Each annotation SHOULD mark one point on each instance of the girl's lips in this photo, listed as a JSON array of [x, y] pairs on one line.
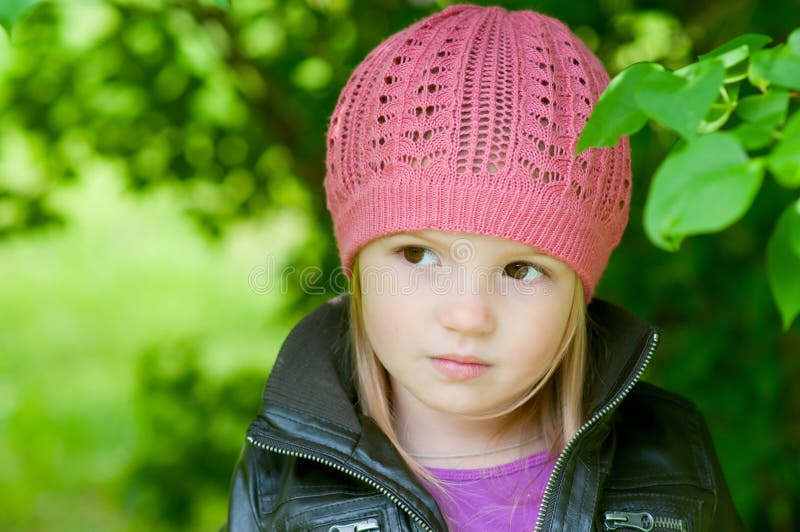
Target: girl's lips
[[459, 368]]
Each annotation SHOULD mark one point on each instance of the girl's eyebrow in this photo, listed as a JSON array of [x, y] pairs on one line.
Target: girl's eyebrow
[[526, 252], [406, 235], [425, 238]]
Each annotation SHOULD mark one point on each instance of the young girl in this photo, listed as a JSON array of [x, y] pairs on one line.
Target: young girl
[[464, 383]]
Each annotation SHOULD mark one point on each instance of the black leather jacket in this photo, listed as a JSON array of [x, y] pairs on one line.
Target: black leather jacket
[[644, 460]]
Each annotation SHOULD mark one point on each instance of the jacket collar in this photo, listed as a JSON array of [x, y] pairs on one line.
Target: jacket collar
[[309, 400], [622, 344]]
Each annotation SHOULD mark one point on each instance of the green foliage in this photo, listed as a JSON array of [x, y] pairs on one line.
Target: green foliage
[[617, 113], [680, 101], [185, 418], [113, 315], [708, 183], [779, 65], [222, 4], [783, 263], [737, 49], [768, 109], [12, 10], [784, 161], [312, 74]]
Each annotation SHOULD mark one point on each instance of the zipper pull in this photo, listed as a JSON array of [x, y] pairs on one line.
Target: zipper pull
[[368, 525], [638, 521]]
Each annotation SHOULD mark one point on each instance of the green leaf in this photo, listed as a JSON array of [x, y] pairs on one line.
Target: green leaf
[[738, 49], [681, 100], [783, 264], [616, 112], [732, 91], [779, 65], [784, 161], [721, 110], [755, 135], [736, 73], [715, 119], [13, 10], [702, 187], [769, 108], [793, 42]]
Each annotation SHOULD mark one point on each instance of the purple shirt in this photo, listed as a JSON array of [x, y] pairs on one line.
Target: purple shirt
[[504, 497]]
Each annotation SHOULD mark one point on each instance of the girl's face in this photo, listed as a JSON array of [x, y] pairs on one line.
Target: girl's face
[[465, 324]]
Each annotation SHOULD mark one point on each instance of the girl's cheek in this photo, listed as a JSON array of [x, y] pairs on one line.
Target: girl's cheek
[[421, 281]]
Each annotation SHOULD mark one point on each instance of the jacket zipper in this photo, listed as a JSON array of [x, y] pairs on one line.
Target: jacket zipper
[[643, 521], [347, 471], [562, 458], [370, 525]]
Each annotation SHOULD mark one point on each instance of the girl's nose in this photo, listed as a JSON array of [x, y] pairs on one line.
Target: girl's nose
[[468, 314]]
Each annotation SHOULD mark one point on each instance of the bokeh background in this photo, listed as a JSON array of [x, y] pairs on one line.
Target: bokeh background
[[162, 213]]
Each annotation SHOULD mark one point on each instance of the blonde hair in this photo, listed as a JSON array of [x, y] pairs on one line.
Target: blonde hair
[[554, 403]]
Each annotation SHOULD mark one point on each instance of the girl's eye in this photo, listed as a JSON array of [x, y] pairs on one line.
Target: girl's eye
[[416, 255], [524, 271]]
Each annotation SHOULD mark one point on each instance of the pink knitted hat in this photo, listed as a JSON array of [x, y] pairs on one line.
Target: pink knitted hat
[[467, 121]]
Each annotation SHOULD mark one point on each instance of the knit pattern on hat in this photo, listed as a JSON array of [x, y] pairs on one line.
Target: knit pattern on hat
[[467, 121]]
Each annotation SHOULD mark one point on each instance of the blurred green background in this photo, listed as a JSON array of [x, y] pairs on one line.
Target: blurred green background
[[162, 161]]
